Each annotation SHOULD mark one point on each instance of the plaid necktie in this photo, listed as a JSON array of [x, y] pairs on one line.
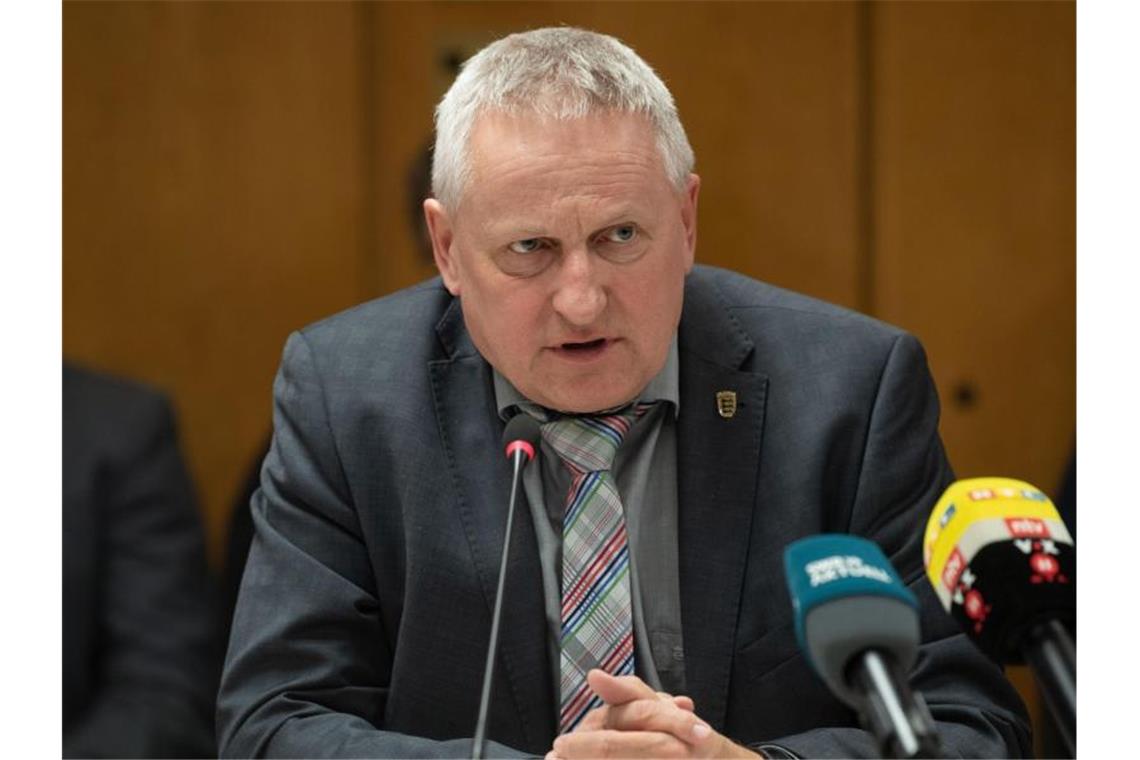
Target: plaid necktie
[[597, 617]]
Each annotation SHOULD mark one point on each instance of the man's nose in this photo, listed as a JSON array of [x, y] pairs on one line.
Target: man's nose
[[580, 295]]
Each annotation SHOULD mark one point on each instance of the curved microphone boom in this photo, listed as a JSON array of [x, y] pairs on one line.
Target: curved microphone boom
[[520, 438], [1003, 564], [858, 625]]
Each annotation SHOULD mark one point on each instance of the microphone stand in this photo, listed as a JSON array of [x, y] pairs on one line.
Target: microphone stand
[[518, 459], [1050, 653], [896, 716]]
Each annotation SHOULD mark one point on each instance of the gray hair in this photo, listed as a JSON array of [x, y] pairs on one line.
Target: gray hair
[[558, 72]]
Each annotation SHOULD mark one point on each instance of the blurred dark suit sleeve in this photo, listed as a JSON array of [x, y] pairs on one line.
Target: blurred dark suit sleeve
[[139, 653]]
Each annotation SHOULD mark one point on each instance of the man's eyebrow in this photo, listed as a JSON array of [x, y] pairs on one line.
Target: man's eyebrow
[[517, 229], [625, 215], [522, 229], [513, 232]]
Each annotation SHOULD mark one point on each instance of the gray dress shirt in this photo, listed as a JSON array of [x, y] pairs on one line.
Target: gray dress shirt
[[645, 470]]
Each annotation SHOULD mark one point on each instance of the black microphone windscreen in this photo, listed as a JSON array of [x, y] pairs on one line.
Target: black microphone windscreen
[[1008, 587], [1002, 562], [522, 427]]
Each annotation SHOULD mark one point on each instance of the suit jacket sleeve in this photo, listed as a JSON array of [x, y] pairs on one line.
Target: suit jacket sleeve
[[904, 470], [154, 652], [309, 659]]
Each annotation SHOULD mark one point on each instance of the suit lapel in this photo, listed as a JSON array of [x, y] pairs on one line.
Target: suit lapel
[[470, 428], [717, 464]]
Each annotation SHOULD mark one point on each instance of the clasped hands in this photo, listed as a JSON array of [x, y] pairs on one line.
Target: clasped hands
[[637, 721]]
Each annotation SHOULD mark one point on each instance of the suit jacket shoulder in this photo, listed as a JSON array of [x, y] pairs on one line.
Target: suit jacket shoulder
[[399, 325], [776, 320]]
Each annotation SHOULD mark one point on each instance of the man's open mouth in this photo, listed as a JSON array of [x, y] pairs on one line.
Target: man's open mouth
[[588, 345]]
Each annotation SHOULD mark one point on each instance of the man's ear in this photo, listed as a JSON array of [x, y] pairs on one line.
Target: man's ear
[[689, 217], [442, 234]]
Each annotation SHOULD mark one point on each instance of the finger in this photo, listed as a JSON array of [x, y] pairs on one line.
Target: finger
[[594, 719], [657, 715], [602, 744], [685, 703], [615, 690], [597, 718]]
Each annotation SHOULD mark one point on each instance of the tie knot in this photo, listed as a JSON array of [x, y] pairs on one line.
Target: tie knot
[[590, 443]]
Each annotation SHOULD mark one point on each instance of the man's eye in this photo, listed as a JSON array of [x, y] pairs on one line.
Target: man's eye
[[530, 245], [623, 234]]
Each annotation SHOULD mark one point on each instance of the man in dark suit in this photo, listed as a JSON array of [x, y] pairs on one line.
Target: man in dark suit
[[735, 418], [139, 653]]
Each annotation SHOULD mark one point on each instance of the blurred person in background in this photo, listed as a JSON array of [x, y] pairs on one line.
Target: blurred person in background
[[139, 648]]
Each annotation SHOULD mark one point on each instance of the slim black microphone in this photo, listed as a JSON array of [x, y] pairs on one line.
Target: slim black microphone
[[858, 625], [519, 440]]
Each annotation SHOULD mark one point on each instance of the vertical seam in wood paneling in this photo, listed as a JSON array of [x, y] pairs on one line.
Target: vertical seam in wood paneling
[[865, 248], [370, 275]]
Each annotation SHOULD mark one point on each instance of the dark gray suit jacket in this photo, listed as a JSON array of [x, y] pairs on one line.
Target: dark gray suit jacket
[[365, 609]]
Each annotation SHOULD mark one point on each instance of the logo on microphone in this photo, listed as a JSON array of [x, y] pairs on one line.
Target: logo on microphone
[[1046, 569], [974, 604], [955, 564], [1044, 565], [971, 599], [1027, 527], [834, 568]]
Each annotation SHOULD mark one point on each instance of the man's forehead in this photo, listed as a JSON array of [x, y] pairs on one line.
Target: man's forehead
[[528, 165], [512, 138]]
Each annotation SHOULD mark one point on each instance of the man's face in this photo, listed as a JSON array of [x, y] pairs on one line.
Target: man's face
[[568, 251]]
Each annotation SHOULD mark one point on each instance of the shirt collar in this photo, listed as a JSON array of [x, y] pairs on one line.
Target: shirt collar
[[665, 386]]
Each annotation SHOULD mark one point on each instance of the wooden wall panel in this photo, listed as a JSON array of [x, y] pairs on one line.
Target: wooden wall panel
[[213, 201], [975, 220], [767, 92], [233, 171]]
